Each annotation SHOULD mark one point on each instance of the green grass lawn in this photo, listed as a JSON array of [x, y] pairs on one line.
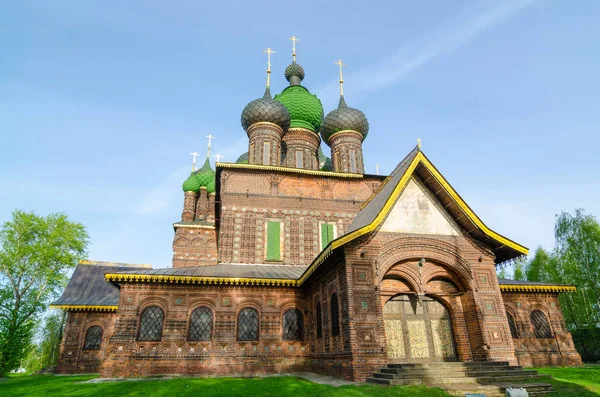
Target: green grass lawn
[[581, 382], [584, 382]]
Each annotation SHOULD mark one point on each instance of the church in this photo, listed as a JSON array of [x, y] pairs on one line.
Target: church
[[289, 260]]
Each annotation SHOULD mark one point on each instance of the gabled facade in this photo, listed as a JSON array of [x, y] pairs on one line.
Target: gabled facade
[[288, 260]]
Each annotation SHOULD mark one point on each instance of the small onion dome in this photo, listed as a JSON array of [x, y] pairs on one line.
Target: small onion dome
[[294, 70], [344, 118], [265, 109], [191, 184], [305, 109], [324, 161], [243, 159], [206, 177]]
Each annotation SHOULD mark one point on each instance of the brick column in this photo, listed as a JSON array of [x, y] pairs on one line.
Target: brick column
[[346, 152], [301, 146]]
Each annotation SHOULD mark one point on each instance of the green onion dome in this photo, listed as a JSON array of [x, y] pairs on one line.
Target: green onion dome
[[305, 109], [265, 109], [344, 118], [206, 176], [324, 161], [191, 184], [243, 159]]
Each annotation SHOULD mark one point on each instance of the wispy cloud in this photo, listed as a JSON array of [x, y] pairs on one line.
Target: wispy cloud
[[447, 38]]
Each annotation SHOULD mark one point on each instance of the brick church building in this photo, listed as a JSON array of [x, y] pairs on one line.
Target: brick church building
[[289, 260]]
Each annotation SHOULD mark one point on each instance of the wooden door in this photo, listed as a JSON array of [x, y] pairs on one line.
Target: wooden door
[[418, 330]]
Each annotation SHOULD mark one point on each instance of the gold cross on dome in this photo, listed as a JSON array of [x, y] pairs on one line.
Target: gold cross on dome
[[294, 40], [341, 65], [269, 51], [194, 155], [210, 138]]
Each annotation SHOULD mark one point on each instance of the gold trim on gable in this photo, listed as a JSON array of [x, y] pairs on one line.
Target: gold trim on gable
[[286, 169], [91, 308], [536, 288], [419, 158], [156, 278]]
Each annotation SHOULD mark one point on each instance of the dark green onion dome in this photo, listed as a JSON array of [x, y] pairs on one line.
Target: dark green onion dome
[[243, 159], [294, 70], [344, 118], [204, 177], [191, 184], [324, 161], [265, 109]]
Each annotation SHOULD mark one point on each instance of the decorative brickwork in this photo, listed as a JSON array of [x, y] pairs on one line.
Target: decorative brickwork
[[300, 146], [532, 351], [346, 152], [264, 146]]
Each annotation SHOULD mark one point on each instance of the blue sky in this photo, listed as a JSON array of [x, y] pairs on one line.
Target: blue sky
[[101, 102]]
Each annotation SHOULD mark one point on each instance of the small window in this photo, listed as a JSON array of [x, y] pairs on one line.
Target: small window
[[352, 161], [293, 326], [299, 159], [266, 153], [335, 316], [247, 325], [512, 325], [541, 327], [327, 234], [201, 324], [273, 241], [151, 324], [319, 321], [93, 338]]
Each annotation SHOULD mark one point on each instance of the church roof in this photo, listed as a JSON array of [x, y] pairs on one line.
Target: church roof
[[88, 289], [244, 273], [375, 210], [507, 285]]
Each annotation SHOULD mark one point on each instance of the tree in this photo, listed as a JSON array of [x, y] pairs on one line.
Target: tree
[[51, 336], [35, 253]]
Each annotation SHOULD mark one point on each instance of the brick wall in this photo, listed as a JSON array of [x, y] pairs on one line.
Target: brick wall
[[532, 351], [73, 358]]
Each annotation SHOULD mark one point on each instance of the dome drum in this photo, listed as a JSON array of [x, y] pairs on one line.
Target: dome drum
[[301, 147]]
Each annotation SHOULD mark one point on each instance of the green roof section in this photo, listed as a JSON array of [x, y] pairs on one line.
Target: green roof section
[[324, 161], [305, 109], [243, 159], [204, 177]]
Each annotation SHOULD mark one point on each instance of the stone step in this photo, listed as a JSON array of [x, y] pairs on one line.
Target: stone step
[[504, 370], [452, 374], [451, 364]]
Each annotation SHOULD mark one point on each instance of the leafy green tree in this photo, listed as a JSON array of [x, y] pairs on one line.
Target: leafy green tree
[[51, 337], [35, 253]]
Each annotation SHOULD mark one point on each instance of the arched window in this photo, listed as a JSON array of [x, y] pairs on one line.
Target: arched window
[[247, 324], [335, 316], [93, 338], [512, 325], [541, 327], [201, 324], [293, 325], [319, 321], [151, 323]]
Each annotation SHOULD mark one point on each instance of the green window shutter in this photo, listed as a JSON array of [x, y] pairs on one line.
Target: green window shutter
[[273, 241], [326, 234]]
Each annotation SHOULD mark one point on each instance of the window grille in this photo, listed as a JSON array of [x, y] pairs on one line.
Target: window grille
[[93, 338], [352, 161], [335, 316], [247, 325], [293, 326], [273, 241], [151, 324], [266, 153], [201, 324], [541, 327], [512, 325], [319, 321]]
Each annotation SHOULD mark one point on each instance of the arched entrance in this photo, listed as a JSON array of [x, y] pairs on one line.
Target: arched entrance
[[418, 330]]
